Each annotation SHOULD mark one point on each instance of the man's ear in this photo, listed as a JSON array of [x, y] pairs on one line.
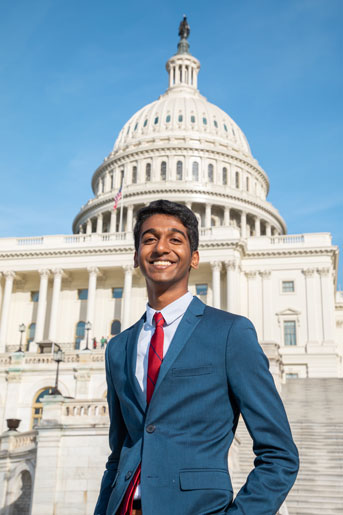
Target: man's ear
[[135, 260], [195, 259]]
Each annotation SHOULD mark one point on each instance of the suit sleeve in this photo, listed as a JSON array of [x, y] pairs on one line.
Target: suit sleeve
[[117, 433], [254, 391]]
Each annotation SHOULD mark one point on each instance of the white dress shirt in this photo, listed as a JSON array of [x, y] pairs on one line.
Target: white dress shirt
[[172, 315]]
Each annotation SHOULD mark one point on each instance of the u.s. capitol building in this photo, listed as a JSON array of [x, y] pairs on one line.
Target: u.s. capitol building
[[67, 290]]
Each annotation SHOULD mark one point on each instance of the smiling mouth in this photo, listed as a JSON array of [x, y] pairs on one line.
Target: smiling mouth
[[161, 263]]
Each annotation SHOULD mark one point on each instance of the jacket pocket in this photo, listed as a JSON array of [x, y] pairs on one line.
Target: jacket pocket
[[196, 371], [205, 479]]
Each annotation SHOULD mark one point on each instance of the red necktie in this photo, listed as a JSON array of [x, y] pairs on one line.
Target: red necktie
[[154, 364]]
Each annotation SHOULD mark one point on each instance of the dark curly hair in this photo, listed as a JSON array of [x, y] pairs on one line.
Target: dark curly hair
[[165, 207]]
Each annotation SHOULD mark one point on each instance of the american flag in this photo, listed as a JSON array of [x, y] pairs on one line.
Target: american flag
[[117, 197]]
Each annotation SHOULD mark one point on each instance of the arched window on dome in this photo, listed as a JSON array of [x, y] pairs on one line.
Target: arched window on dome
[[80, 333], [247, 183], [134, 174], [237, 180], [148, 172], [163, 171], [210, 172], [179, 169], [115, 327], [37, 407], [30, 335], [195, 171], [112, 180], [225, 175], [180, 73]]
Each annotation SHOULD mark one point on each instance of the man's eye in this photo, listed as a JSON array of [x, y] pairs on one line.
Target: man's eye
[[149, 240], [176, 240]]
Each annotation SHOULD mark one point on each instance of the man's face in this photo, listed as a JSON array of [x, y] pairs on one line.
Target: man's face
[[164, 254]]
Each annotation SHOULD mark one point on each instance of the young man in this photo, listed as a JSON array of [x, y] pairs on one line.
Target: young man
[[178, 381]]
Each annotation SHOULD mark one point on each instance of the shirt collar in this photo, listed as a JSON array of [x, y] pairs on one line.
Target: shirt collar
[[171, 312]]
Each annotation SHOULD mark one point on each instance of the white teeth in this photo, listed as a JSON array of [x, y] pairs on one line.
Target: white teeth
[[162, 262]]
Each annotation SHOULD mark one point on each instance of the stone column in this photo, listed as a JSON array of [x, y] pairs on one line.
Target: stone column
[[208, 215], [41, 311], [268, 229], [89, 226], [327, 304], [216, 267], [56, 290], [257, 226], [226, 216], [267, 306], [231, 286], [99, 224], [243, 224], [9, 275], [311, 307], [252, 296], [113, 220], [129, 218], [128, 269], [93, 273]]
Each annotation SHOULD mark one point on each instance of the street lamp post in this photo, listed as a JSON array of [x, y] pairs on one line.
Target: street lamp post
[[88, 327], [22, 328], [58, 357]]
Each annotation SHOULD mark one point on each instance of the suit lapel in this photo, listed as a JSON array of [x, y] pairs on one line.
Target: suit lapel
[[132, 360], [190, 320]]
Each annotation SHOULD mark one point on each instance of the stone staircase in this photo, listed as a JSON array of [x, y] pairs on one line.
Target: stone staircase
[[315, 411]]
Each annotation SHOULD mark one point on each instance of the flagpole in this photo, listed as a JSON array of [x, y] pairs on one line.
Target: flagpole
[[121, 207]]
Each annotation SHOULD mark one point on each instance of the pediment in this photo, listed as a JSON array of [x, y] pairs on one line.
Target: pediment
[[288, 312]]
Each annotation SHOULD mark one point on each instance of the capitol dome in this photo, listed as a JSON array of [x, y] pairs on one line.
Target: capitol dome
[[183, 148]]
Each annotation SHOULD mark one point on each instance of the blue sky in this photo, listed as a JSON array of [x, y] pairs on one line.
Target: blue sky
[[72, 72]]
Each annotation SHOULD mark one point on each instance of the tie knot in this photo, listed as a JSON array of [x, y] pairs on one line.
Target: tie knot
[[159, 320]]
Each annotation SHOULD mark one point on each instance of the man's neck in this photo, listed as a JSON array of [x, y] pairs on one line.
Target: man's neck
[[160, 301]]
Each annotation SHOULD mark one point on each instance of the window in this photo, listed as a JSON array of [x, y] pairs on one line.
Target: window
[[204, 121], [82, 294], [210, 173], [225, 127], [292, 375], [35, 296], [30, 335], [112, 181], [224, 175], [115, 327], [136, 126], [148, 172], [145, 122], [168, 118], [237, 179], [247, 183], [37, 408], [156, 120], [134, 174], [163, 171], [179, 170], [192, 119], [195, 171], [180, 118], [201, 291], [128, 130], [80, 333], [215, 123], [117, 293], [289, 330], [288, 287]]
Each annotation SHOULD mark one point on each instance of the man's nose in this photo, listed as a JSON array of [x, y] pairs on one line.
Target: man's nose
[[162, 246]]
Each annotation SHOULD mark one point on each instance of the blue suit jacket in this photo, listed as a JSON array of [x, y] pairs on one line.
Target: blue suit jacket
[[214, 371]]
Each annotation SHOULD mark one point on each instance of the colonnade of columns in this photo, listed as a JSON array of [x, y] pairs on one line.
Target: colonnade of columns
[[249, 224]]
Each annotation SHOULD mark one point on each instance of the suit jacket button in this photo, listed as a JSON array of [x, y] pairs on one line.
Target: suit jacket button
[[128, 475], [150, 428]]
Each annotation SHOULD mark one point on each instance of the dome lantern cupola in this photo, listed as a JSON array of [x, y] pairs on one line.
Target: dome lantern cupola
[[183, 68]]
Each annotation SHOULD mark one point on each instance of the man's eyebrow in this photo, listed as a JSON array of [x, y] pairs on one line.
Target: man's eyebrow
[[155, 231]]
